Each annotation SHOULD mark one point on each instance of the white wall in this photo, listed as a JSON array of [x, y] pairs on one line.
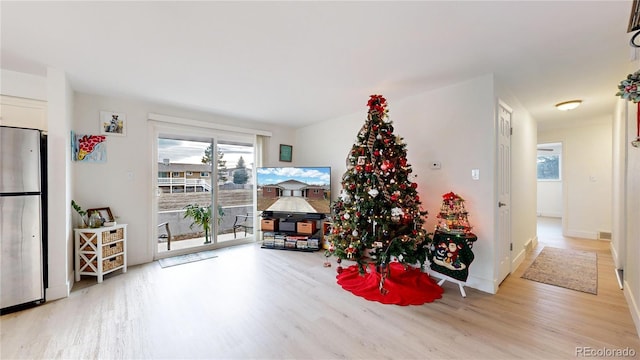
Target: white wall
[[123, 183], [550, 198], [619, 184], [60, 113], [586, 173], [439, 126]]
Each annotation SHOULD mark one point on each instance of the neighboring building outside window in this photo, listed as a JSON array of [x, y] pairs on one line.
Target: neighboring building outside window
[[549, 167]]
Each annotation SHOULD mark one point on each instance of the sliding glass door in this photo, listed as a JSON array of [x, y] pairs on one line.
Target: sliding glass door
[[204, 191]]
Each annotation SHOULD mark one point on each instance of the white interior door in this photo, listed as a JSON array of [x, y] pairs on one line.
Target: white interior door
[[503, 242]]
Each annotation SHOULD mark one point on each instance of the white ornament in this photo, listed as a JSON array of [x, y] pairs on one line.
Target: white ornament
[[355, 233], [397, 212], [346, 216], [373, 192]]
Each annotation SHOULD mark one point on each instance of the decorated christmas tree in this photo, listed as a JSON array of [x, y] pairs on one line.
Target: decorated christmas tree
[[378, 217]]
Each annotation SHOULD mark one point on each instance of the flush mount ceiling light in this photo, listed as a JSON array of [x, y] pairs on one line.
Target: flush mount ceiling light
[[568, 105]]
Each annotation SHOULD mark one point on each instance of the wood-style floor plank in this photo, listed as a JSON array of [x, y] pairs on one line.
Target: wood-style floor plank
[[252, 303]]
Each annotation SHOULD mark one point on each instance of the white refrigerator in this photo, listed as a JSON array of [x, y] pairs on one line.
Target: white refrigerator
[[22, 218]]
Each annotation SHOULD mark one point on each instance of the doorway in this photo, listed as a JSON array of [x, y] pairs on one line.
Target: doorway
[[549, 182], [205, 192]]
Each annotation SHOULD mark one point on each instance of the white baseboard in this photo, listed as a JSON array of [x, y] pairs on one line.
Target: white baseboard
[[60, 291], [633, 306], [517, 261], [550, 214], [614, 255], [481, 284], [582, 234]]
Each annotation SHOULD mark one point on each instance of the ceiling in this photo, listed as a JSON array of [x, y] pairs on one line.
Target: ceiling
[[297, 63]]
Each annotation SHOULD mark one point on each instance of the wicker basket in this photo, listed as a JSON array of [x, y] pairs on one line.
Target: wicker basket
[[112, 249], [112, 263], [112, 235]]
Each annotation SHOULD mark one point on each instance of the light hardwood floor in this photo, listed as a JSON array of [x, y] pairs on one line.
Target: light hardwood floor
[[271, 304]]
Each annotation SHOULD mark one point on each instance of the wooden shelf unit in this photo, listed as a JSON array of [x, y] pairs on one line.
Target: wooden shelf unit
[[100, 251]]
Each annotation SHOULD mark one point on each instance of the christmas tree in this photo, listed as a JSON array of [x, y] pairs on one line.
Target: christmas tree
[[378, 217]]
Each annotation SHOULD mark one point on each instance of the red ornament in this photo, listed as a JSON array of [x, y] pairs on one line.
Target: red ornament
[[376, 152], [375, 127], [368, 168], [394, 197], [414, 185], [358, 168]]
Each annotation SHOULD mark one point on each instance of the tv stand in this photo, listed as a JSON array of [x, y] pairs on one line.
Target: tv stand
[[298, 232]]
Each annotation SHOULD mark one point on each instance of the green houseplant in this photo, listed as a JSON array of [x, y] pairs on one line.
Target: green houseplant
[[201, 216], [82, 213]]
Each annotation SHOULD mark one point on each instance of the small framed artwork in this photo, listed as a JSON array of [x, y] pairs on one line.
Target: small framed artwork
[[104, 212], [286, 152], [89, 148], [113, 123]]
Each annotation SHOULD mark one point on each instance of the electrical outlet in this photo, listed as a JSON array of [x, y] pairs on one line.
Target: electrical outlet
[[475, 174], [435, 165]]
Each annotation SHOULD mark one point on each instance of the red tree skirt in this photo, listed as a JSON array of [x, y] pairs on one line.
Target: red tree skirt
[[404, 287]]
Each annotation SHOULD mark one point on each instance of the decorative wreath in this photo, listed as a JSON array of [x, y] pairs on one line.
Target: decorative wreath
[[628, 88]]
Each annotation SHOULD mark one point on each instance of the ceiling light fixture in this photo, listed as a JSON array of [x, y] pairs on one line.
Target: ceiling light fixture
[[568, 105]]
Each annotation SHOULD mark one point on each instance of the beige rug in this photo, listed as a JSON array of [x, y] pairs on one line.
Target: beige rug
[[571, 269]]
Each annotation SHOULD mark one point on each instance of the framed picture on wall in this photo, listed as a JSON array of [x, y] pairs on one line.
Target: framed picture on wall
[[113, 123], [286, 152]]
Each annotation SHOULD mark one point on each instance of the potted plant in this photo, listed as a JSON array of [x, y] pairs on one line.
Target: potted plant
[[201, 216], [82, 213]]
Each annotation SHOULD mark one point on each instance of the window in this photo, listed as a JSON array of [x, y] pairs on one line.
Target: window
[[204, 174], [175, 174], [189, 173], [549, 162]]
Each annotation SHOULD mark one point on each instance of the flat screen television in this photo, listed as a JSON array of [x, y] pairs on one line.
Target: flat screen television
[[294, 191]]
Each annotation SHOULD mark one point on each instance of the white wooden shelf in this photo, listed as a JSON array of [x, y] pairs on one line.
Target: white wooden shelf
[[100, 251]]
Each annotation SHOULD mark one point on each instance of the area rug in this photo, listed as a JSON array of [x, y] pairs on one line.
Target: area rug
[[408, 286], [185, 259], [571, 269]]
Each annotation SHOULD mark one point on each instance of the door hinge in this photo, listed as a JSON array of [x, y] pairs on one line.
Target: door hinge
[[510, 246], [510, 131]]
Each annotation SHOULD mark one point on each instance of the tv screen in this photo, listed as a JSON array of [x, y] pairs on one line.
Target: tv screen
[[294, 190]]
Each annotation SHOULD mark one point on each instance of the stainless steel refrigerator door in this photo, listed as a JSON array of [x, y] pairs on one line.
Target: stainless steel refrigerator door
[[21, 279], [19, 160]]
